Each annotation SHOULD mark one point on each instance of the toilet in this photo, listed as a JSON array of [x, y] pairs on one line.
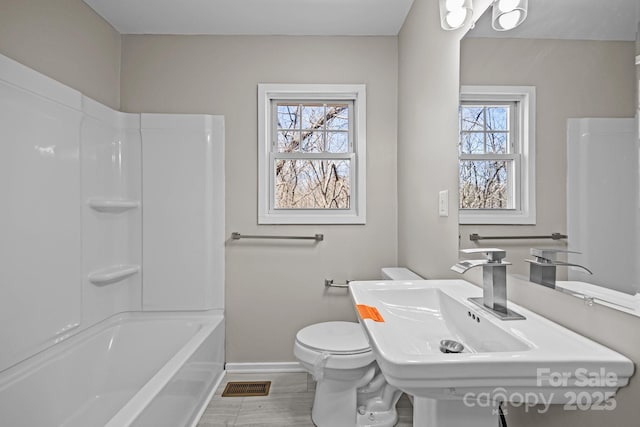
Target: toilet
[[350, 389]]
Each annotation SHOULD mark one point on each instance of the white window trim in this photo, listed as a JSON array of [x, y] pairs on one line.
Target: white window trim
[[526, 95], [357, 212]]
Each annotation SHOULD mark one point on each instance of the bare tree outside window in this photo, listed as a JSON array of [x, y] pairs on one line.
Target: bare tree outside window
[[313, 133], [485, 174]]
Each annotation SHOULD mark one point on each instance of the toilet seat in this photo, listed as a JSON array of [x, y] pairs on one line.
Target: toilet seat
[[345, 343], [339, 338]]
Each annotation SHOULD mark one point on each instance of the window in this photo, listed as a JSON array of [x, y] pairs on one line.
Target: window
[[497, 155], [312, 154]]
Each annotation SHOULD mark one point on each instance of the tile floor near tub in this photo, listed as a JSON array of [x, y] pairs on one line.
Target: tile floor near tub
[[288, 403]]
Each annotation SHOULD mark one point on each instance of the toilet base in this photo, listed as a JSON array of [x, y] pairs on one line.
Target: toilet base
[[334, 404], [340, 404], [377, 419], [365, 419]]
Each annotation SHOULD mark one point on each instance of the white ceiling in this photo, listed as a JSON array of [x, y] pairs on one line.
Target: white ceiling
[[264, 17], [570, 19]]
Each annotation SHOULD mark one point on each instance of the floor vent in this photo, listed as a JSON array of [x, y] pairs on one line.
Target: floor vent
[[246, 388]]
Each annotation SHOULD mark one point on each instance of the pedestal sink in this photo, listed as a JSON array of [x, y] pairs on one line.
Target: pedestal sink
[[530, 361]]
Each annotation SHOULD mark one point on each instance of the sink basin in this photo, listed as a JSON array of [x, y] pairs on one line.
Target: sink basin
[[430, 315], [524, 360]]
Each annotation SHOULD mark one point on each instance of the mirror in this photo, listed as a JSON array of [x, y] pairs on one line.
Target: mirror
[[581, 58]]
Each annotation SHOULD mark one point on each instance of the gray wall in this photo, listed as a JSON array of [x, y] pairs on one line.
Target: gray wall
[[275, 288], [428, 79], [66, 40]]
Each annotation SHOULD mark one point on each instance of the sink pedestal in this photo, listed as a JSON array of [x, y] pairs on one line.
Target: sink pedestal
[[452, 413]]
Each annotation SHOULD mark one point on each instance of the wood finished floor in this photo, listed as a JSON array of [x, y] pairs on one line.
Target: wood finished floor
[[288, 404]]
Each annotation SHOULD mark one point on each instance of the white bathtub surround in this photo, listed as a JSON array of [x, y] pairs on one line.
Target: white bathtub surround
[[110, 153], [72, 178], [183, 215], [602, 223], [40, 191]]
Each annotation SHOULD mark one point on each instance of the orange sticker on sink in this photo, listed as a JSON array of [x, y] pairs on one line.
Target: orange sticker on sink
[[368, 312]]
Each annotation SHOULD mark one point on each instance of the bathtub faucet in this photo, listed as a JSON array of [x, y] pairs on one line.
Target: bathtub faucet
[[494, 281]]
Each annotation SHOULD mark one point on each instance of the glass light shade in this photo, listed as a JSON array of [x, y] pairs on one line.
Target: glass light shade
[[509, 20], [455, 18], [455, 14], [452, 5], [507, 5], [508, 14]]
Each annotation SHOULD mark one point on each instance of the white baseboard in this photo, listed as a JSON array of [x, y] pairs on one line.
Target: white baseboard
[[267, 367]]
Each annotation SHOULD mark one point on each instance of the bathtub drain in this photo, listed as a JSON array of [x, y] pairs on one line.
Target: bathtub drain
[[246, 388]]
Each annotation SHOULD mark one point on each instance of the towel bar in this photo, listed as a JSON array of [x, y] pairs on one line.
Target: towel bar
[[237, 236]]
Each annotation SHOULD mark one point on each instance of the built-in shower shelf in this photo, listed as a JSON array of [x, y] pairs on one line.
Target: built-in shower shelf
[[113, 205], [113, 274]]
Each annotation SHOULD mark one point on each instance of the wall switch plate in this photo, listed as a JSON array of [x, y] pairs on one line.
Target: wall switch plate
[[443, 203]]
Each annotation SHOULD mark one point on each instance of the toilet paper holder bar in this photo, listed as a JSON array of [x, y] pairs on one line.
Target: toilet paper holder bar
[[328, 283]]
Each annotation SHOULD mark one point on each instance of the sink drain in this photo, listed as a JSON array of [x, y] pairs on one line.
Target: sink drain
[[451, 346]]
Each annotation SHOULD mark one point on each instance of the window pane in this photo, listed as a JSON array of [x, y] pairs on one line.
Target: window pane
[[497, 118], [288, 116], [313, 116], [484, 184], [497, 142], [337, 142], [338, 117], [471, 118], [288, 141], [312, 184], [472, 143], [312, 142]]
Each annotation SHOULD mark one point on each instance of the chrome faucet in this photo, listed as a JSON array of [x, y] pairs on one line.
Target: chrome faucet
[[494, 281], [542, 269]]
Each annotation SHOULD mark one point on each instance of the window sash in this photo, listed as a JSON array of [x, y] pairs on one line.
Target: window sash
[[311, 156], [514, 197], [309, 102], [353, 168], [512, 148], [352, 94], [513, 131], [522, 144]]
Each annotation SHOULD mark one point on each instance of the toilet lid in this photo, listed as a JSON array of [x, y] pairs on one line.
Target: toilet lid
[[334, 337]]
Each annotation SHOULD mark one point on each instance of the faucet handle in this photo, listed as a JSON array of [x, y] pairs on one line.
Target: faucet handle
[[493, 254], [549, 254]]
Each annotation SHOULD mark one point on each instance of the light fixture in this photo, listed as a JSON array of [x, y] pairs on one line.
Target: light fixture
[[455, 13], [508, 14]]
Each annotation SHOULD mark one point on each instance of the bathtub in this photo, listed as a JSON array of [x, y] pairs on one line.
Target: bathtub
[[134, 369]]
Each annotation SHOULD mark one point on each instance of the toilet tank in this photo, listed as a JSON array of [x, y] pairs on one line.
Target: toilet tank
[[399, 273]]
